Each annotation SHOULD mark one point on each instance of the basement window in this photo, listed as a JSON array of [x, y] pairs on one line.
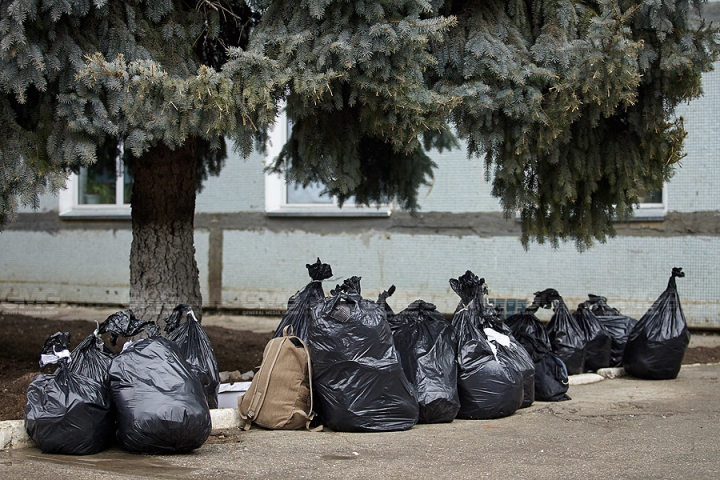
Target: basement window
[[510, 306]]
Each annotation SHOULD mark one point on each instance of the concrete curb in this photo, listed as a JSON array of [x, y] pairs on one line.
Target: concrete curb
[[225, 418], [584, 379], [13, 434], [612, 372]]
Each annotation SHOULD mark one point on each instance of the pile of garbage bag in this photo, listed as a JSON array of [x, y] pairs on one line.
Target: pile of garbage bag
[[499, 366], [596, 335], [154, 396], [372, 369], [359, 348]]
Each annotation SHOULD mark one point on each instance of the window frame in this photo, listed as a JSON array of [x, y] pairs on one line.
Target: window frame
[[276, 204], [71, 208], [644, 212]]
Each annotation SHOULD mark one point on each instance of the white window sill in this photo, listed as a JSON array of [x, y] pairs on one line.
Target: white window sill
[[649, 214], [642, 214], [328, 211], [109, 212]]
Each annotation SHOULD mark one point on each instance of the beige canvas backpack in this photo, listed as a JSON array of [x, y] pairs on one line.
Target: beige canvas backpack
[[280, 395]]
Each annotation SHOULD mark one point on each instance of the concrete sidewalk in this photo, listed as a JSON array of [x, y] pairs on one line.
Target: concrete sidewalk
[[616, 428], [621, 428]]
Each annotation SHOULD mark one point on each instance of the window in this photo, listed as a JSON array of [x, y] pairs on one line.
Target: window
[[510, 306], [283, 198], [101, 190], [652, 206]]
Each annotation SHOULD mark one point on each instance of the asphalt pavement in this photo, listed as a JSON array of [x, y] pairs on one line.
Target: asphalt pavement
[[622, 428]]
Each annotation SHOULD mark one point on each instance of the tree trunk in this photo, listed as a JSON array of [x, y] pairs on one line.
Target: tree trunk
[[163, 271]]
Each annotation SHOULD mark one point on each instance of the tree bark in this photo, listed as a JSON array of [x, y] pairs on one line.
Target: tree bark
[[163, 271]]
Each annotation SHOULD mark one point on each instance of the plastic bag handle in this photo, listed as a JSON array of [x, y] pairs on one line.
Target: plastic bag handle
[[345, 296]]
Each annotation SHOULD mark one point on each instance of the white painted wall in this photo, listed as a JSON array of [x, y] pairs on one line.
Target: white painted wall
[[262, 269], [696, 184], [74, 266]]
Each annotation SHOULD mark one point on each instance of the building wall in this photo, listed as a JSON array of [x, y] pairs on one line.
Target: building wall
[[251, 261], [261, 269], [693, 188], [78, 265]]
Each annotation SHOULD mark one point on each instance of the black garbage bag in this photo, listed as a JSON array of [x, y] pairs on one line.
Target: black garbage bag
[[510, 350], [92, 358], [297, 314], [68, 412], [358, 378], [196, 349], [566, 337], [160, 402], [551, 378], [488, 386], [656, 345], [521, 358], [382, 301], [530, 332], [616, 325], [597, 341], [124, 323], [427, 346]]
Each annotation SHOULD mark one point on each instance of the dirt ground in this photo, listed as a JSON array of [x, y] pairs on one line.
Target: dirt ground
[[22, 339]]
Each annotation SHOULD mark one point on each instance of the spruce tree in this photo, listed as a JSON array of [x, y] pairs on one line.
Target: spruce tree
[[571, 104], [172, 79]]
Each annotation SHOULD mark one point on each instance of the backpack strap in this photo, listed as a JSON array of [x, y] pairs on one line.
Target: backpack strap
[[259, 394], [311, 415]]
